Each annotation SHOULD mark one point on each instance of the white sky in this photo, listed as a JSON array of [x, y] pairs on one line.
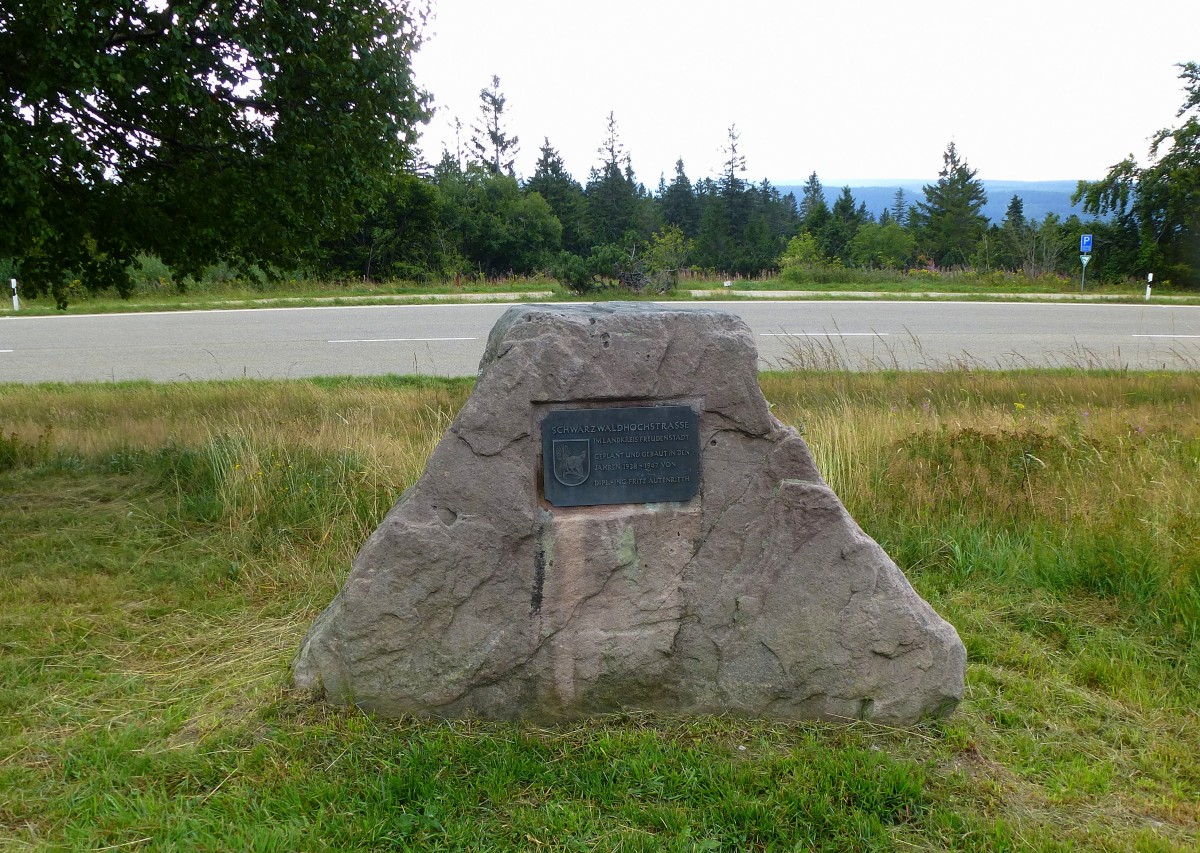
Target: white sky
[[1028, 89]]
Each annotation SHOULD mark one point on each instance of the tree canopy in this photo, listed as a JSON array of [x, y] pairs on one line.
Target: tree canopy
[[490, 142], [243, 129], [950, 219], [255, 132], [1159, 202]]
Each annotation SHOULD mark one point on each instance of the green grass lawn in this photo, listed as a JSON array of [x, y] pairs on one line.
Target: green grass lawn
[[163, 548]]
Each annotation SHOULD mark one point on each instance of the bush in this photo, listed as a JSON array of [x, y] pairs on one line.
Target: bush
[[149, 275]]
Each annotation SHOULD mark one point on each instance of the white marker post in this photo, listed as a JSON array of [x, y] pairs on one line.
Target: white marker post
[[1149, 280], [16, 301]]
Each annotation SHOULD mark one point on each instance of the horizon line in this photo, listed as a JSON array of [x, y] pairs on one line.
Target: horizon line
[[894, 182]]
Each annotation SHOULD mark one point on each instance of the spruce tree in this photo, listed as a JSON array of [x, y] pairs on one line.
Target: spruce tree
[[492, 145], [612, 193], [678, 203], [554, 183], [951, 223], [844, 220], [899, 209], [812, 201]]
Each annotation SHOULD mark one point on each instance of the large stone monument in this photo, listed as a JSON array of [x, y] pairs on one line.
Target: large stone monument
[[616, 521]]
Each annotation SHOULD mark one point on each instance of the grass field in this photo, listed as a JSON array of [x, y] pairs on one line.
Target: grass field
[[155, 295], [164, 548]]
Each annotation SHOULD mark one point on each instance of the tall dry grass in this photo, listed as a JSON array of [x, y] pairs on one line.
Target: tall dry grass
[[1060, 480], [165, 547]]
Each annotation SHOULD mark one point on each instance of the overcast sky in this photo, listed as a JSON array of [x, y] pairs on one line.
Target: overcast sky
[[1041, 90]]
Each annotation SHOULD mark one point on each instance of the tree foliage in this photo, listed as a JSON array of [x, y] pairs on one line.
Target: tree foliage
[[1160, 201], [554, 183], [813, 209], [885, 245], [196, 130], [612, 192], [493, 227], [678, 202], [489, 140], [249, 131], [397, 237], [841, 225], [1035, 248], [950, 221]]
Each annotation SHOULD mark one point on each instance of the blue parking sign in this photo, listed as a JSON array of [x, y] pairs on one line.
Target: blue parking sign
[[1085, 243]]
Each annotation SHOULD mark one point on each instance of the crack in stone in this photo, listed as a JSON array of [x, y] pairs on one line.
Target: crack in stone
[[484, 454]]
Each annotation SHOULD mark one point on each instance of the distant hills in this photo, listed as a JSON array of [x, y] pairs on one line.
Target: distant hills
[[1040, 197]]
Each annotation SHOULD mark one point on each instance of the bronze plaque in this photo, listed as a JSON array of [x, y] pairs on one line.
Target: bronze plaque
[[621, 455]]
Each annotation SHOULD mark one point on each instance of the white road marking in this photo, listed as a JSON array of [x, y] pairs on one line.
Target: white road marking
[[7, 350], [1166, 336], [824, 334], [397, 340]]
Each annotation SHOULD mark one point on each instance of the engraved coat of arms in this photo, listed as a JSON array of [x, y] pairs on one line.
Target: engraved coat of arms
[[572, 460]]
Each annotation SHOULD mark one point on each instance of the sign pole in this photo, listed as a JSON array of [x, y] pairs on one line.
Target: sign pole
[[1085, 255]]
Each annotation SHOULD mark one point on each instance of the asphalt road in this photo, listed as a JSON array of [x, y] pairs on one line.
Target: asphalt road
[[448, 340]]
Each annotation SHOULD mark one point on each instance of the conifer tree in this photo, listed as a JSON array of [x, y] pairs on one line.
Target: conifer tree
[[554, 183], [491, 143], [950, 219], [812, 203], [612, 193], [678, 202], [899, 210], [841, 225]]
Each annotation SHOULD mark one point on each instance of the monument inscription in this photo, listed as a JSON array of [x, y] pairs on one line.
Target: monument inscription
[[620, 455]]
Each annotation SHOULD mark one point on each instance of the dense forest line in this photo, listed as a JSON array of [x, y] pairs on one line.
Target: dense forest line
[[284, 140], [476, 218]]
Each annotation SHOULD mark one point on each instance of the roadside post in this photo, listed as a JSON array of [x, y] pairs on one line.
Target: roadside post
[[1149, 281], [1085, 255], [16, 301]]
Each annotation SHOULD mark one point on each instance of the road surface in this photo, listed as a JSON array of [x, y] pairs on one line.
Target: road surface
[[448, 340]]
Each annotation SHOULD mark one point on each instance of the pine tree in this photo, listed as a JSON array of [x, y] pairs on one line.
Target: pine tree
[[612, 193], [812, 200], [1015, 213], [844, 220], [554, 183], [678, 202], [493, 147], [951, 223], [731, 182], [899, 209]]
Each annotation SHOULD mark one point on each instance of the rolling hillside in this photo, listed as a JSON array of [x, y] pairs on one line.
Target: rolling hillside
[[1040, 197]]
